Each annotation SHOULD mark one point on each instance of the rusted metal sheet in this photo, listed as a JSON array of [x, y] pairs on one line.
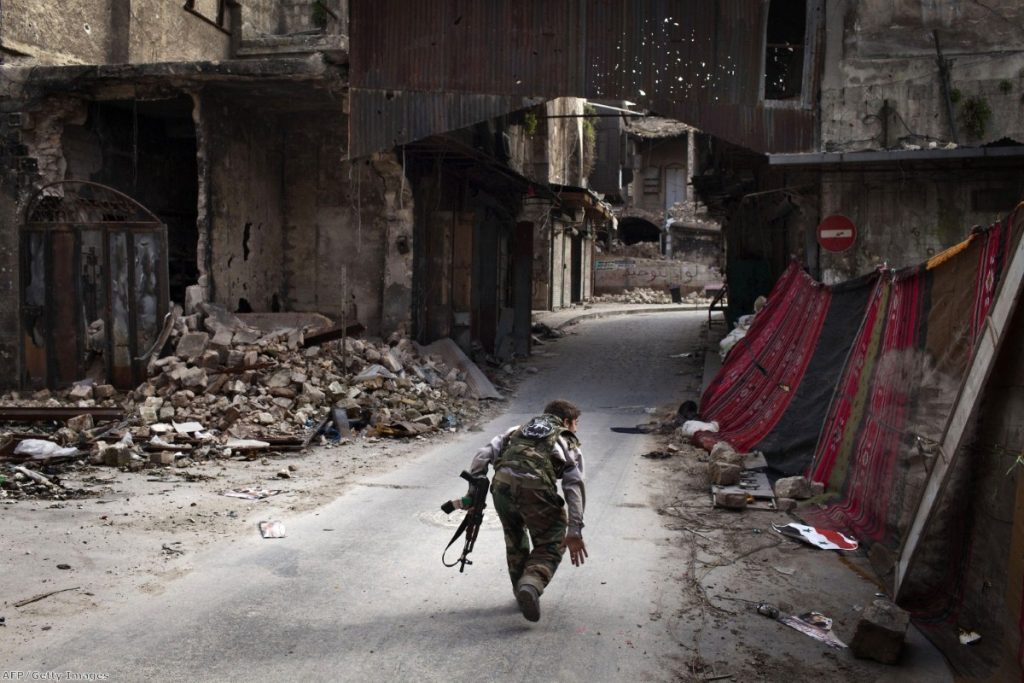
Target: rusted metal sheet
[[94, 286], [435, 65]]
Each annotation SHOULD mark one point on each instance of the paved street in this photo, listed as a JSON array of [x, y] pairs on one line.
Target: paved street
[[357, 591]]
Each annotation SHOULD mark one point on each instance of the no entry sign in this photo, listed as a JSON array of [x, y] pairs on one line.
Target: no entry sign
[[836, 233]]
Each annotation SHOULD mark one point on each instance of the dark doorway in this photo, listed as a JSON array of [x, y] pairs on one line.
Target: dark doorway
[[633, 230], [147, 150], [576, 293]]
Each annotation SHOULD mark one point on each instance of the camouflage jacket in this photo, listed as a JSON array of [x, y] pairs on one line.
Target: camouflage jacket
[[570, 466]]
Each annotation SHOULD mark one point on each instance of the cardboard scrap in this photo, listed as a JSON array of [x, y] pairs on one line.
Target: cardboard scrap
[[814, 624], [271, 529]]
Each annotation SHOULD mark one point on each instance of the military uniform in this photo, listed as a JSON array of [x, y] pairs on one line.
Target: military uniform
[[527, 461]]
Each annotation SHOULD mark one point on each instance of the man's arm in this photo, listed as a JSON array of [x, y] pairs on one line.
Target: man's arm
[[486, 456], [573, 489]]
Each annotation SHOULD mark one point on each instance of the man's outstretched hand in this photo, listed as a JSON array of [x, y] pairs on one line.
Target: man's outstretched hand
[[577, 549]]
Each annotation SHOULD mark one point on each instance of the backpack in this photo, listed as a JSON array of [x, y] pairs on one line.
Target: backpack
[[531, 449]]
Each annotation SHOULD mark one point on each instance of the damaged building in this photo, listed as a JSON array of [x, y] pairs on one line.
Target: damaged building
[[666, 240], [420, 169], [231, 146]]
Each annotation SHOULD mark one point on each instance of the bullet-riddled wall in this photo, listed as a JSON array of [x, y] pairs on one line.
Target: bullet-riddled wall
[[295, 227]]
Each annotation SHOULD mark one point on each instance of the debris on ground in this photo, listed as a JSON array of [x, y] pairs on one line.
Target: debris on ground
[[641, 295], [814, 624], [251, 493], [271, 529], [880, 632], [826, 539], [220, 388]]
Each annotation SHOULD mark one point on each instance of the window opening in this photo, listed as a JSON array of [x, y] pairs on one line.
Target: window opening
[[784, 49]]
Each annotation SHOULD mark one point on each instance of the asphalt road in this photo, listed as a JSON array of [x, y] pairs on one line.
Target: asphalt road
[[357, 592]]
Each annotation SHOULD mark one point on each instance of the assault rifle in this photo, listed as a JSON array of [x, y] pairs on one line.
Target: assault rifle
[[475, 501]]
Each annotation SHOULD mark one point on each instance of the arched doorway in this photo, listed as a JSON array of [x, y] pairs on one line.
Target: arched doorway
[[94, 285]]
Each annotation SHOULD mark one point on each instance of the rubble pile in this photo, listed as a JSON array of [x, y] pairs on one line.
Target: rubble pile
[[223, 388], [649, 250], [639, 295]]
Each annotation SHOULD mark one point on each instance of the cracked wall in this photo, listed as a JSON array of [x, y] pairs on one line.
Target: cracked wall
[[245, 157], [111, 31], [880, 50], [353, 215], [904, 218]]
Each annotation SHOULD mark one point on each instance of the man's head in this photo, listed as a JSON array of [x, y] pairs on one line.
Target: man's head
[[564, 410]]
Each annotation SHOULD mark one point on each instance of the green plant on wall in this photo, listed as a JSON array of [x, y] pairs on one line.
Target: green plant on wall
[[1005, 86], [589, 139], [975, 115], [530, 123], [955, 95]]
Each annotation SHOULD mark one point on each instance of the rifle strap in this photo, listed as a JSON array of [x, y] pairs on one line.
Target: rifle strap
[[458, 532]]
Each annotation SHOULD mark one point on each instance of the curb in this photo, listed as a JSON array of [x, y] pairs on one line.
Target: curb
[[592, 315]]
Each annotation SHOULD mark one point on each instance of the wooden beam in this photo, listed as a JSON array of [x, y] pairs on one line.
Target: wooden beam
[[990, 340]]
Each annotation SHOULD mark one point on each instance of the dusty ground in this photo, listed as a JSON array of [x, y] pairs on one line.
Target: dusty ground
[[135, 531], [142, 530]]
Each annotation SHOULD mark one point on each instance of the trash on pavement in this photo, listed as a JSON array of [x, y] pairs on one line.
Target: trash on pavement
[[246, 444], [814, 624], [968, 637], [691, 427], [826, 539], [252, 493], [271, 529], [40, 449]]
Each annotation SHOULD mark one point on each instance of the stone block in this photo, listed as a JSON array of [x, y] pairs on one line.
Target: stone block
[[880, 632], [724, 473], [191, 377], [81, 392], [103, 392], [80, 423], [731, 501], [281, 378], [194, 296], [115, 456], [162, 457], [785, 504], [192, 345], [720, 450], [817, 488], [209, 359], [793, 487]]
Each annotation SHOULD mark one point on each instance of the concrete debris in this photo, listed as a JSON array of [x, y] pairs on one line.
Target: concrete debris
[[639, 295], [724, 473], [880, 632], [731, 500], [226, 388], [793, 487]]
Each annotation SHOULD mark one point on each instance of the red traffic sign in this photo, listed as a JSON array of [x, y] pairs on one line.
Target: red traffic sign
[[836, 233]]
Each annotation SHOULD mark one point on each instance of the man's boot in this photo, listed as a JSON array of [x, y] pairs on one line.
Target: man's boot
[[529, 602]]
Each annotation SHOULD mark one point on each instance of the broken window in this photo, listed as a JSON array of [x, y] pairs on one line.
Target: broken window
[[784, 49]]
